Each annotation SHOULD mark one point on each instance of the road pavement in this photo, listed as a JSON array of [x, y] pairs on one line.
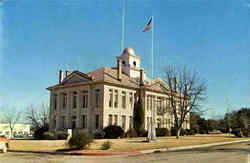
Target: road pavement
[[235, 153]]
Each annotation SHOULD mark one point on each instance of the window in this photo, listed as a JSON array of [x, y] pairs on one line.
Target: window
[[63, 122], [97, 121], [123, 62], [148, 121], [73, 122], [123, 99], [131, 98], [85, 99], [116, 98], [55, 101], [55, 123], [74, 100], [97, 97], [110, 119], [159, 106], [168, 121], [84, 121], [148, 100], [123, 122], [130, 122], [151, 103], [134, 64], [116, 120], [158, 123], [64, 100], [110, 98]]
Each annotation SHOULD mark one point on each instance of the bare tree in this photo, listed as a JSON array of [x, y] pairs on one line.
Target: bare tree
[[186, 92], [38, 116], [11, 116]]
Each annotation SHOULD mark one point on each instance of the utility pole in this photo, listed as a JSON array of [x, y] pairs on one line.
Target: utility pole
[[228, 116]]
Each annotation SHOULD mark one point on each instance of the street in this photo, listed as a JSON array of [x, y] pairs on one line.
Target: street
[[236, 153]]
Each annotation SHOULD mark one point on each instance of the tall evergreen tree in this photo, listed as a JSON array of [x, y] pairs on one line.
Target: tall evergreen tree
[[138, 116]]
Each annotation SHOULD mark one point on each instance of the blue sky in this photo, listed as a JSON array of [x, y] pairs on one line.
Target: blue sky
[[39, 38]]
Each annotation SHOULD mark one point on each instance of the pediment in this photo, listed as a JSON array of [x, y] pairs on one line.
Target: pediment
[[159, 85], [74, 78]]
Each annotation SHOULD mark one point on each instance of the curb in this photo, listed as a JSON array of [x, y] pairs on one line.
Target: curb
[[175, 149]]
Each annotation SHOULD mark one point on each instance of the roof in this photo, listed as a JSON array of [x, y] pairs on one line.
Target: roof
[[109, 75], [103, 74]]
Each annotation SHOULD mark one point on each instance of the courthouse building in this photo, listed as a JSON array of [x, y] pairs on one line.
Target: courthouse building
[[105, 96]]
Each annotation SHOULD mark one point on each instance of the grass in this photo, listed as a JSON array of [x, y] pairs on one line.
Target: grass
[[125, 145]]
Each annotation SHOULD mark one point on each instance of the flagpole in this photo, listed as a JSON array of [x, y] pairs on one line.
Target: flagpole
[[153, 134], [152, 50], [123, 24]]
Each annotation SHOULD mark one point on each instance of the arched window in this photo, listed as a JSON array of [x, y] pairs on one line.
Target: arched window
[[123, 62], [134, 63]]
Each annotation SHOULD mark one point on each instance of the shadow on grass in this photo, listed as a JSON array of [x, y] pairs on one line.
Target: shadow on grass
[[40, 152], [67, 150], [215, 136], [137, 141]]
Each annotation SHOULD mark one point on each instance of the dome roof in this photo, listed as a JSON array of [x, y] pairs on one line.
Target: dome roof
[[129, 51]]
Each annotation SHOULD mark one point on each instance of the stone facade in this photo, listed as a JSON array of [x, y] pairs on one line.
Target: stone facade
[[104, 96]]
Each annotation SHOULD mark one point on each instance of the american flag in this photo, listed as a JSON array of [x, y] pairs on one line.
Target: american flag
[[148, 27]]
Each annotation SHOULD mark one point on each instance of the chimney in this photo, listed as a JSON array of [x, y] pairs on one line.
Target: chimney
[[119, 69], [67, 73], [141, 77], [170, 83], [186, 90], [60, 76], [175, 84]]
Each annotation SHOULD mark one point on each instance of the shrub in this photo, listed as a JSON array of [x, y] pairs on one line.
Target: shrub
[[190, 132], [106, 145], [142, 133], [39, 132], [113, 132], [183, 132], [173, 131], [99, 134], [49, 136], [80, 140], [131, 133], [61, 135], [203, 132], [162, 132], [246, 132], [237, 132]]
